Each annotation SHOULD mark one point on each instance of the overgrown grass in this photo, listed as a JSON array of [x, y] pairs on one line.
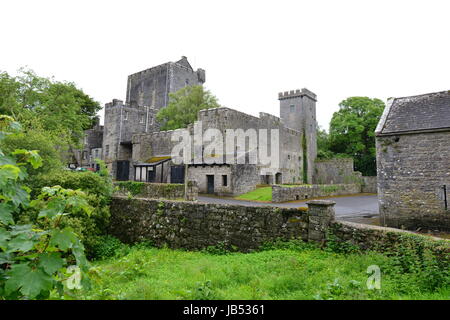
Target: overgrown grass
[[281, 271], [259, 194]]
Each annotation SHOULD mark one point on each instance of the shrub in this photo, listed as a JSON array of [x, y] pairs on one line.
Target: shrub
[[109, 247], [133, 187], [98, 189], [36, 261]]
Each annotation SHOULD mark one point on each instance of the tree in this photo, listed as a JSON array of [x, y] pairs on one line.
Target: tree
[[352, 131], [184, 106], [37, 102]]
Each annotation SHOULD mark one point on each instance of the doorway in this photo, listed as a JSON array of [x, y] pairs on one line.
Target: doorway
[[210, 183]]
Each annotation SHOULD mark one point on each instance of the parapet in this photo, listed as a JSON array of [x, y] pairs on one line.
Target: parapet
[[297, 93], [114, 103], [201, 75]]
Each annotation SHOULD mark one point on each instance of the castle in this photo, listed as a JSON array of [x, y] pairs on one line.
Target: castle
[[134, 148]]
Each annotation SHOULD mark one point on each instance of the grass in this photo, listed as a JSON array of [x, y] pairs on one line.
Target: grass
[[289, 273], [259, 194]]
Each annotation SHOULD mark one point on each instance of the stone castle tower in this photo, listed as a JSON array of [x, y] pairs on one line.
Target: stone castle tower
[[147, 92], [298, 112]]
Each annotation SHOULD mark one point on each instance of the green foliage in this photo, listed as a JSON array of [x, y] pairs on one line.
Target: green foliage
[[47, 144], [133, 187], [98, 189], [305, 157], [294, 245], [424, 260], [184, 106], [221, 248], [352, 132], [35, 261], [342, 247], [37, 102], [428, 260], [259, 194], [109, 247], [293, 272]]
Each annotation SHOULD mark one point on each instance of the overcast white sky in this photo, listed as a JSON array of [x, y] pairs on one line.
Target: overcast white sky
[[251, 50]]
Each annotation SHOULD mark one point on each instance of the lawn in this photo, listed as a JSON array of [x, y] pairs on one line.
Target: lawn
[[289, 273], [259, 194]]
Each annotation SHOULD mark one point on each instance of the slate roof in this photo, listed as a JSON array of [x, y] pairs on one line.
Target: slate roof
[[428, 112]]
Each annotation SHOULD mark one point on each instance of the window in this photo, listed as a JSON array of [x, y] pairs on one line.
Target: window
[[289, 157], [186, 82], [292, 107], [107, 150], [125, 117], [84, 155], [224, 180], [142, 120]]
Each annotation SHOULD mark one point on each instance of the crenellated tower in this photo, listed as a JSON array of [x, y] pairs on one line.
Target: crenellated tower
[[298, 112]]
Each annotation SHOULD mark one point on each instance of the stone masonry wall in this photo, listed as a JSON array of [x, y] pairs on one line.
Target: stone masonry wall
[[291, 193], [158, 190], [369, 184], [388, 240], [335, 171], [411, 172], [193, 225]]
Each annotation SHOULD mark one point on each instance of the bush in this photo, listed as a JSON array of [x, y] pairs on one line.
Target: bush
[[109, 247], [133, 187], [98, 188], [35, 139]]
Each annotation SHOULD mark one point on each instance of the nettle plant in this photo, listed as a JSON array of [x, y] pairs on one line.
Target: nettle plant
[[34, 261]]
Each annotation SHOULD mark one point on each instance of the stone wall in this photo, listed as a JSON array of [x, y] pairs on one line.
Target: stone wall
[[157, 190], [298, 112], [369, 184], [388, 240], [190, 225], [335, 171], [290, 193], [412, 169]]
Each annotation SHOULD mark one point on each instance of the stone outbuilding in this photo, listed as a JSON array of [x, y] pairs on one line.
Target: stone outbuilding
[[413, 162]]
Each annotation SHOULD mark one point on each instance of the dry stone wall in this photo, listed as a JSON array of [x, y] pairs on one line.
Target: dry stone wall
[[190, 225], [290, 193]]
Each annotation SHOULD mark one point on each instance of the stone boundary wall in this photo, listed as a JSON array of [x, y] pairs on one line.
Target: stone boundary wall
[[190, 225], [335, 171], [291, 193], [369, 184], [157, 190], [388, 240]]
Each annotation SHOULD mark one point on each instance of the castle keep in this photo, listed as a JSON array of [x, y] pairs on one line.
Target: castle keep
[[134, 148], [147, 92]]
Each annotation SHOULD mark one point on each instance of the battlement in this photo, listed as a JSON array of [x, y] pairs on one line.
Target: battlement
[[158, 69], [114, 103], [297, 93], [264, 115]]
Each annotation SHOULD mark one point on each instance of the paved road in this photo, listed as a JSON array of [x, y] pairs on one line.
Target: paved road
[[347, 208]]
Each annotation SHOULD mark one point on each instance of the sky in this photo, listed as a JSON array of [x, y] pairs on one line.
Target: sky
[[251, 50]]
